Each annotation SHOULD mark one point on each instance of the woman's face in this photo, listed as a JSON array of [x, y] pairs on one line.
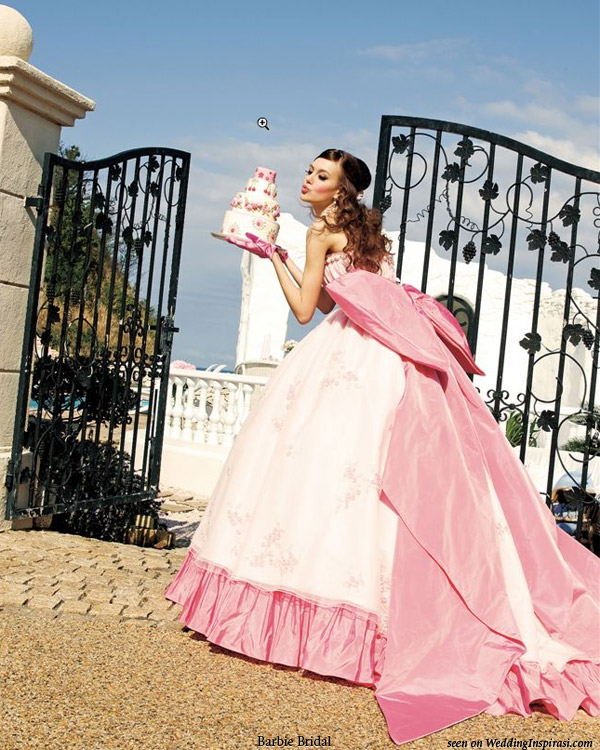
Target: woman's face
[[321, 183]]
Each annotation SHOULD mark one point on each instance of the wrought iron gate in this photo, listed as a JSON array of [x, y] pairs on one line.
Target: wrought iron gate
[[492, 206], [98, 332]]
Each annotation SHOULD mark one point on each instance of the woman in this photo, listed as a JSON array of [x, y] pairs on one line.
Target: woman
[[371, 521]]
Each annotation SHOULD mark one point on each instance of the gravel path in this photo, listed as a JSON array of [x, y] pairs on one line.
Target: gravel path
[[110, 667]]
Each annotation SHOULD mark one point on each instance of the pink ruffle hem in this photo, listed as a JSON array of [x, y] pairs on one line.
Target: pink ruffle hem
[[342, 641], [335, 640], [560, 693]]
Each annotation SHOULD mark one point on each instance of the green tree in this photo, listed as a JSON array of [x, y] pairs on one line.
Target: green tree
[[84, 274], [587, 417], [514, 429]]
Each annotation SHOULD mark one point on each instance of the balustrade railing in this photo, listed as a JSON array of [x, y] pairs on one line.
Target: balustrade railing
[[207, 407]]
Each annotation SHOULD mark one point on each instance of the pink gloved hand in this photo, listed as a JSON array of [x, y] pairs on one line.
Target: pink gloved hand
[[265, 249], [252, 247]]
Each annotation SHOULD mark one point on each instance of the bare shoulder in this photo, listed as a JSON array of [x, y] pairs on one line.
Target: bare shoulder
[[322, 234], [318, 228]]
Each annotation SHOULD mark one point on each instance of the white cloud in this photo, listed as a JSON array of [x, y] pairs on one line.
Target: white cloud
[[564, 149], [589, 105], [553, 119], [545, 116], [417, 52]]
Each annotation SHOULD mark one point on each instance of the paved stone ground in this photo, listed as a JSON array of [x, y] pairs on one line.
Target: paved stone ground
[[176, 500], [63, 573], [92, 657], [68, 574], [181, 512]]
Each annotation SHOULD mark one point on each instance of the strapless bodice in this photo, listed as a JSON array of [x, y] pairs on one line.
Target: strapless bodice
[[337, 264]]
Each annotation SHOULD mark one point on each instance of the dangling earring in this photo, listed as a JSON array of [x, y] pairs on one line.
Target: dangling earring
[[330, 208]]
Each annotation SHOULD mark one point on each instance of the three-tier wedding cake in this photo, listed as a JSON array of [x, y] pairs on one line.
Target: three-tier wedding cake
[[256, 209]]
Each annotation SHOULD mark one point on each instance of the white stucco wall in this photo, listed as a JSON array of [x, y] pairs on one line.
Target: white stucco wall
[[264, 313]]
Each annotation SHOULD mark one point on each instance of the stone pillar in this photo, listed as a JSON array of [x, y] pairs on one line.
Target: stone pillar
[[33, 109]]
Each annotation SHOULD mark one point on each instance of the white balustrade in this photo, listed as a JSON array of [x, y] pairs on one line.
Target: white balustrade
[[209, 407], [188, 410], [201, 414], [229, 419], [215, 428], [177, 412]]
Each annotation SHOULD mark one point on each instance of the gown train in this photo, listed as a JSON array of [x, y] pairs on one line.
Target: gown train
[[372, 522]]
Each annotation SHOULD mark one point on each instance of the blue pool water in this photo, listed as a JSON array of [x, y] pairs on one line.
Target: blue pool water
[[33, 405]]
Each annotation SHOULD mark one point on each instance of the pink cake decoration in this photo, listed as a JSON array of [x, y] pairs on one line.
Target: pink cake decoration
[[256, 209], [265, 174]]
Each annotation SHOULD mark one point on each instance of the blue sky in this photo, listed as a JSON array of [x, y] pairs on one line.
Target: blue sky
[[197, 75]]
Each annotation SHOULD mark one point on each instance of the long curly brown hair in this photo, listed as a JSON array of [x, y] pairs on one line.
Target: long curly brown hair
[[367, 246]]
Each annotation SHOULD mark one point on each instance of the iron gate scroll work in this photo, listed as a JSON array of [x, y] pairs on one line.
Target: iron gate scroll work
[[498, 205], [98, 333]]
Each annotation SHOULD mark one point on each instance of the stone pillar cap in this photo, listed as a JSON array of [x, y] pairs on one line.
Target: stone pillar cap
[[27, 86], [16, 35]]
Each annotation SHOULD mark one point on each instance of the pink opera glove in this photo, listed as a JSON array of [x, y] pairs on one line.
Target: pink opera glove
[[248, 245], [265, 249]]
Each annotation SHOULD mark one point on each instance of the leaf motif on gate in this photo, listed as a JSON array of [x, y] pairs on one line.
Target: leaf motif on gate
[[562, 253], [569, 215], [153, 164], [465, 150], [594, 280], [452, 172], [536, 240], [573, 333], [560, 250], [133, 189], [547, 421], [491, 244], [104, 223], [489, 191], [401, 143], [532, 342], [539, 173], [447, 238]]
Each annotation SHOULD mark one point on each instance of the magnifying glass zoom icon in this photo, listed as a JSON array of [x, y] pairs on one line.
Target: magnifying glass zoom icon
[[262, 122]]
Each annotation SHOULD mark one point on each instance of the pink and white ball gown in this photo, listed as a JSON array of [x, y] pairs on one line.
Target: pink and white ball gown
[[371, 522]]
